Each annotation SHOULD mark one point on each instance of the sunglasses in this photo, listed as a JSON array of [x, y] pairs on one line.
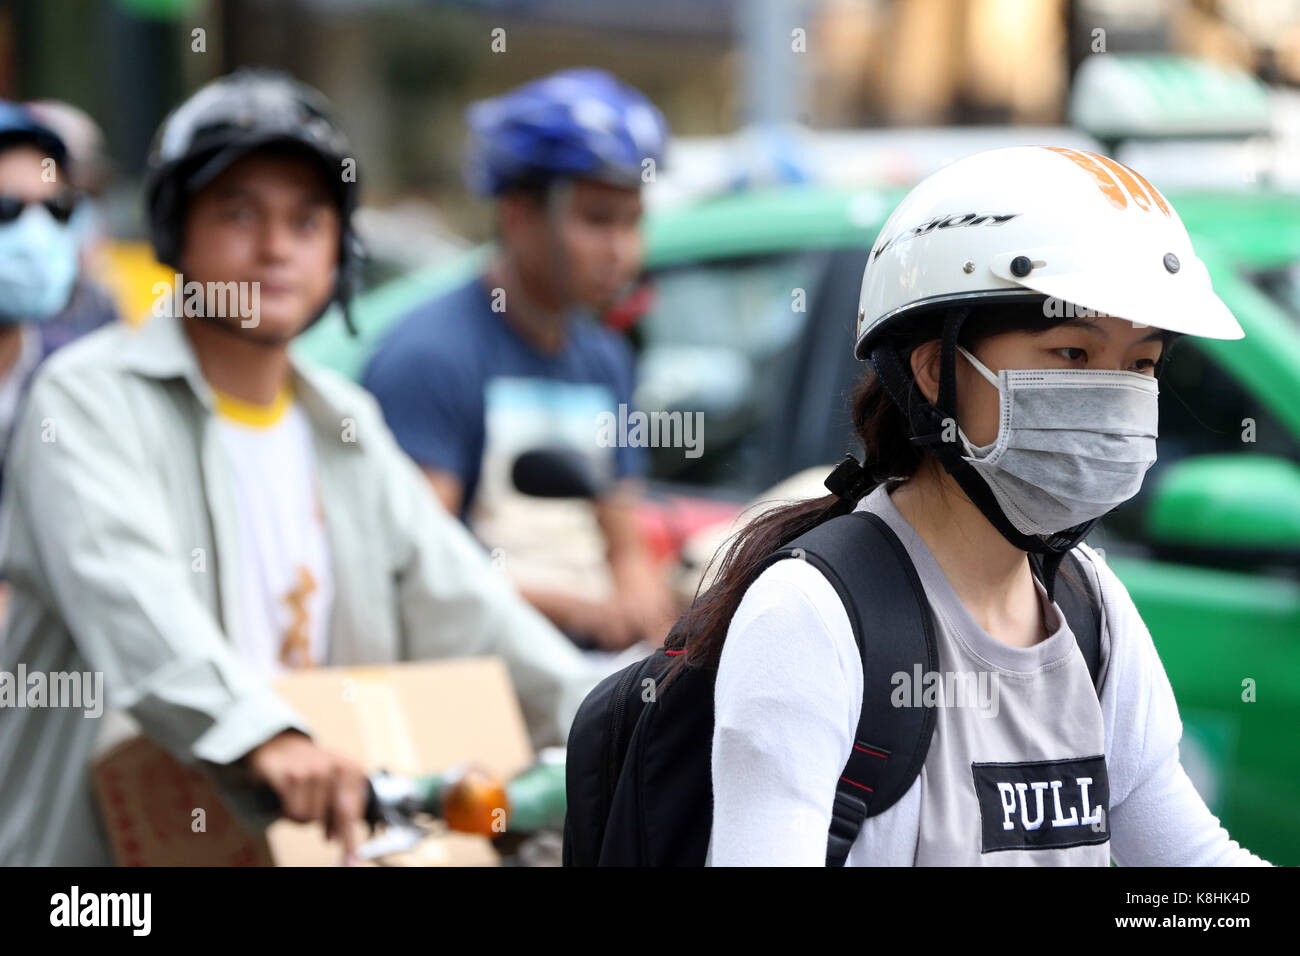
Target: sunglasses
[[60, 207]]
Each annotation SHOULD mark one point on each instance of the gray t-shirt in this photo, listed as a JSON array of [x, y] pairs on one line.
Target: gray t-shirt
[[1016, 773], [788, 697]]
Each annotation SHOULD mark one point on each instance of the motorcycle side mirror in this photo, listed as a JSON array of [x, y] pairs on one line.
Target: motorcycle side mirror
[[555, 473]]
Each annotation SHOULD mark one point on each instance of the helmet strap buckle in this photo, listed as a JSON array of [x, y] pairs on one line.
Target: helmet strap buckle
[[850, 481]]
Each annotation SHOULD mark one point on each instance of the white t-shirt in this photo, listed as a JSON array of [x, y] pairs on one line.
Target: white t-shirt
[[789, 693], [553, 544], [285, 581]]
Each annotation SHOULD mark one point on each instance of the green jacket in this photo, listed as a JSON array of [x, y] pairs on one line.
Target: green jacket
[[117, 536]]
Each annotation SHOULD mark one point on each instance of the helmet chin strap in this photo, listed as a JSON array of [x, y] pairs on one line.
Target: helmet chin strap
[[526, 308], [559, 195], [348, 280], [930, 422]]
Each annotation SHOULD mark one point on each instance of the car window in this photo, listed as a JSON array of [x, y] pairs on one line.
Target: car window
[[1282, 286], [721, 338]]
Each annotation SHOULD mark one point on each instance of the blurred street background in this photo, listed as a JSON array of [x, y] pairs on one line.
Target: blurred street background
[[400, 72], [796, 127]]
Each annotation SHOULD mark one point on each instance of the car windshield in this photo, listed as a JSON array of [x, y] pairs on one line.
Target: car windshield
[[720, 338], [1283, 287]]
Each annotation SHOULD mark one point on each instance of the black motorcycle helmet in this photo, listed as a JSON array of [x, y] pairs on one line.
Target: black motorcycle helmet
[[224, 121]]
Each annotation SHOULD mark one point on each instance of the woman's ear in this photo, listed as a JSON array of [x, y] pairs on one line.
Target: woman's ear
[[925, 369]]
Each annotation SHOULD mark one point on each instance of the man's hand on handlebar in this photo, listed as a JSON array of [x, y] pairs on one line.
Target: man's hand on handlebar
[[312, 784]]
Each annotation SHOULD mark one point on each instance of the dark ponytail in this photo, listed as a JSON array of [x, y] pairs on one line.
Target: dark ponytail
[[889, 453]]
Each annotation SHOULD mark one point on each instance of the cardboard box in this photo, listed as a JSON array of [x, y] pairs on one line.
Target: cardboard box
[[410, 718]]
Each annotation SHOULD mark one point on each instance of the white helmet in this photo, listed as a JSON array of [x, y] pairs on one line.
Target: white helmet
[[1047, 220]]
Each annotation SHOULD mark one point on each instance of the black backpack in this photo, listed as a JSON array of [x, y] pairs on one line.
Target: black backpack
[[638, 776]]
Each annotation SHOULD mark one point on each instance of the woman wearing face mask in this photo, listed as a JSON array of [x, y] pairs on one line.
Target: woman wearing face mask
[[38, 251], [1000, 420]]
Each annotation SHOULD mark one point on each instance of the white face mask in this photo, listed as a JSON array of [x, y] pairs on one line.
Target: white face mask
[[38, 266], [1072, 443]]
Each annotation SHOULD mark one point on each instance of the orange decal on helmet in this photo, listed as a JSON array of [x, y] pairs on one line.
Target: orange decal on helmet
[[1151, 190], [1088, 163], [1126, 179], [1115, 180]]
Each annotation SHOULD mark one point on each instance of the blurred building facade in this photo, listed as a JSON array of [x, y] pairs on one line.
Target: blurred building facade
[[402, 71]]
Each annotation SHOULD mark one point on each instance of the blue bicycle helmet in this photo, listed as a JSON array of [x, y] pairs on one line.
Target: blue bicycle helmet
[[18, 125], [574, 124]]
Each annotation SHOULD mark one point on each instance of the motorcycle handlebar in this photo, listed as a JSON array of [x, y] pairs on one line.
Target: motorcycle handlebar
[[268, 801]]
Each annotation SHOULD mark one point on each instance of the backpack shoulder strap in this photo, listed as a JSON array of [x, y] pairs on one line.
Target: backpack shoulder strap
[[871, 572], [1079, 601]]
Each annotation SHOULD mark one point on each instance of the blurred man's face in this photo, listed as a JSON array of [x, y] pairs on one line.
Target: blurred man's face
[[599, 229], [270, 218], [20, 175]]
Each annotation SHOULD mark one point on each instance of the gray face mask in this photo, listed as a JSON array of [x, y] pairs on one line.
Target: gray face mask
[[1072, 443]]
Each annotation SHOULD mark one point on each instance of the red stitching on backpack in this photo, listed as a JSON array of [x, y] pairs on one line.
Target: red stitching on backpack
[[872, 752], [859, 785], [675, 653]]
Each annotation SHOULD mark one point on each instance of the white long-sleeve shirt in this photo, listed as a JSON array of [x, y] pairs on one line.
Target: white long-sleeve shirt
[[788, 698]]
